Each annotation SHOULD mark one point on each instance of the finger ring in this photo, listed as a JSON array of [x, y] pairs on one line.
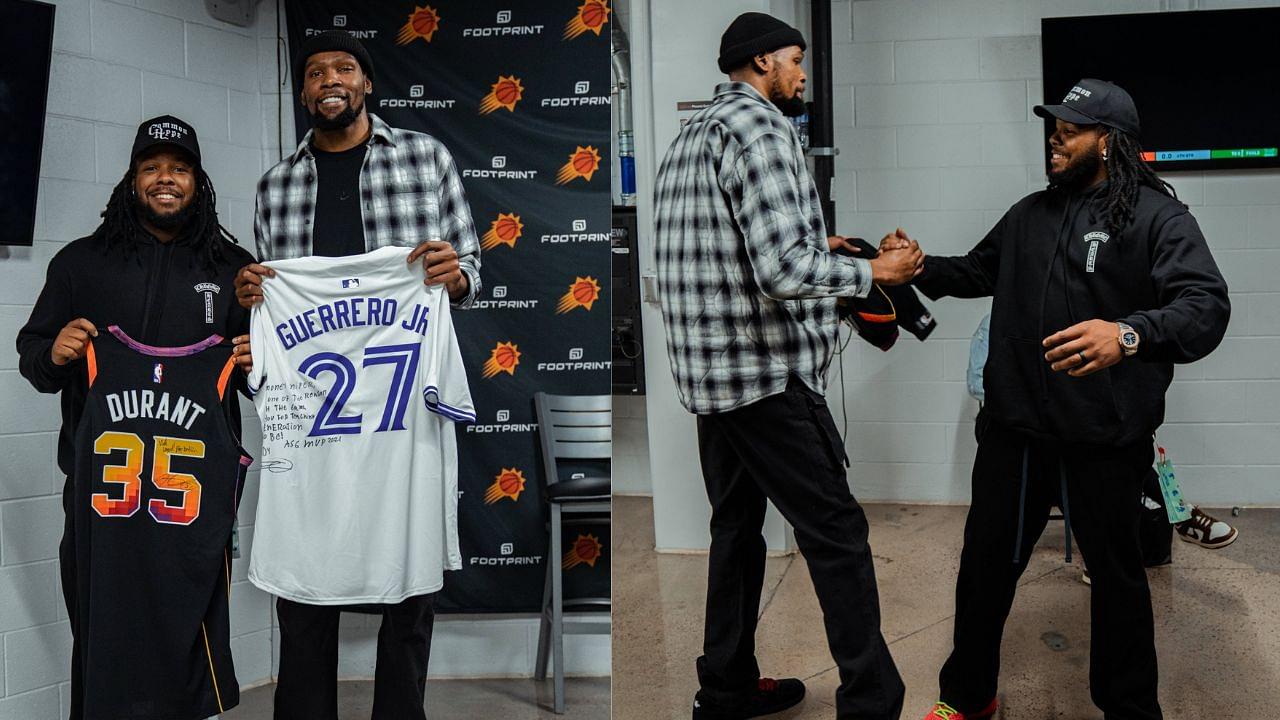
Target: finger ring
[[1083, 359]]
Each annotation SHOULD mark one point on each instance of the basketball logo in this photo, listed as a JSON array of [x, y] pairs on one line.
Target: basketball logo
[[583, 163], [582, 294], [423, 23], [504, 359], [504, 231], [591, 17], [586, 550], [508, 484], [504, 94]]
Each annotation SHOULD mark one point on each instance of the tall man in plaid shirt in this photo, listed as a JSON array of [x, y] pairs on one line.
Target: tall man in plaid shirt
[[357, 184], [748, 287]]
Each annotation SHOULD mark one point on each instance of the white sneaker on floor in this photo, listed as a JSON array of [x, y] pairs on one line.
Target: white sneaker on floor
[[1206, 531]]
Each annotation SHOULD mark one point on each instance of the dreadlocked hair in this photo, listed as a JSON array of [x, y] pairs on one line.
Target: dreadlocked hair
[[1126, 173], [120, 225]]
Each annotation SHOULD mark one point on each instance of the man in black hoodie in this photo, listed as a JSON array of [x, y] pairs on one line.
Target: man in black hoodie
[[1100, 283], [159, 266]]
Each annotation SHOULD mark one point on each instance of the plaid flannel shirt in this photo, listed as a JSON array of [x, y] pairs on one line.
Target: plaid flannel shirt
[[746, 280], [410, 192]]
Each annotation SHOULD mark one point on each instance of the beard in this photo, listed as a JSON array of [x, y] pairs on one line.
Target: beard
[[1080, 171], [789, 105], [340, 121], [166, 221]]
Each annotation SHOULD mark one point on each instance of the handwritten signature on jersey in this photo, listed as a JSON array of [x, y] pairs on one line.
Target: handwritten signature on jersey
[[277, 465]]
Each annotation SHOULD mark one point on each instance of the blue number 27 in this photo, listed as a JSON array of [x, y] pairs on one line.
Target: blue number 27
[[330, 420]]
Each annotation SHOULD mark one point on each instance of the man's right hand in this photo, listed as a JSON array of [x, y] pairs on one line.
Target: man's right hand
[[72, 341], [899, 262], [249, 284]]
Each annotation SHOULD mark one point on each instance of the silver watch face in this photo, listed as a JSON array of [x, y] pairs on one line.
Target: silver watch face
[[1129, 338]]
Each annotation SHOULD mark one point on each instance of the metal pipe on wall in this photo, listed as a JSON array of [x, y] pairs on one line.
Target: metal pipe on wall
[[621, 63], [821, 121]]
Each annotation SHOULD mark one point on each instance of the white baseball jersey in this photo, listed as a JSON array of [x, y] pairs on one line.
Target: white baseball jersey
[[358, 379]]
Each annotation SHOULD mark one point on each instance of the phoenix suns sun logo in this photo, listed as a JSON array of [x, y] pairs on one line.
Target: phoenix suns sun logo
[[504, 231], [586, 550], [582, 294], [591, 17], [504, 359], [583, 163], [422, 24], [504, 94], [508, 484]]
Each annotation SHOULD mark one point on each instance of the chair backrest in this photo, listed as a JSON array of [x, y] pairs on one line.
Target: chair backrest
[[573, 427]]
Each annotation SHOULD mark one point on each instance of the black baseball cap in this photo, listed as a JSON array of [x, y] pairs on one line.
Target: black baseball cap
[[1095, 102], [165, 130]]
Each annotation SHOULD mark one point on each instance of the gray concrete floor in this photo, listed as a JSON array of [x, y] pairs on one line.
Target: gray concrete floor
[[585, 699], [1217, 621]]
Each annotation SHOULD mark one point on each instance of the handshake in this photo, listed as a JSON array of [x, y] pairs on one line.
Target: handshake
[[899, 261]]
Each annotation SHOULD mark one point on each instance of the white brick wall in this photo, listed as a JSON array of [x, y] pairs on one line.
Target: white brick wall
[[114, 64], [940, 141]]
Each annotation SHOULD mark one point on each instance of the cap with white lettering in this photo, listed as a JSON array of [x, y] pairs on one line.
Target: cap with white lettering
[[1095, 102], [165, 130]]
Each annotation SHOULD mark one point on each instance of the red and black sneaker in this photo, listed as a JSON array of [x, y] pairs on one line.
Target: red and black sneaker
[[943, 711], [770, 696]]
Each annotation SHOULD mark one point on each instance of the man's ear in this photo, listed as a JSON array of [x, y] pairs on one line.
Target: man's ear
[[762, 63]]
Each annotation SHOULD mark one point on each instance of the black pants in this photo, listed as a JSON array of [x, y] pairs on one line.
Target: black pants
[[307, 688], [1103, 490], [786, 449]]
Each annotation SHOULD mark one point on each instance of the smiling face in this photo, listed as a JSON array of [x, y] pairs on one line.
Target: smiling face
[[1076, 154], [334, 87], [164, 184]]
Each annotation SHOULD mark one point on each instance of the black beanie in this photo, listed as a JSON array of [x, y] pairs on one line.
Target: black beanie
[[753, 33], [330, 41]]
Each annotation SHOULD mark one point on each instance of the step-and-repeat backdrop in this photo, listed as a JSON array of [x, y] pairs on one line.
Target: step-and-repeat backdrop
[[519, 93]]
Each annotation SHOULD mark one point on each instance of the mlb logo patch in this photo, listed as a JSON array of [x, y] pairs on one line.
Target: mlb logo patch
[[157, 373], [351, 283]]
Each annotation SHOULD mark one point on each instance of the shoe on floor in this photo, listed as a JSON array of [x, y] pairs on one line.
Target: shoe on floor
[[1084, 577], [943, 711], [1206, 531], [770, 696]]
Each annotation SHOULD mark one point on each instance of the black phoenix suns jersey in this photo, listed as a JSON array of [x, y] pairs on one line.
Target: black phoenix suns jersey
[[158, 476]]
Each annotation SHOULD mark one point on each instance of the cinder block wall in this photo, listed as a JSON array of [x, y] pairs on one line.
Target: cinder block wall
[[933, 115], [114, 65]]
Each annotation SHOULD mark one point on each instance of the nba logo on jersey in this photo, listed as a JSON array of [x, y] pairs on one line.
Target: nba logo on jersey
[[157, 373], [351, 283]]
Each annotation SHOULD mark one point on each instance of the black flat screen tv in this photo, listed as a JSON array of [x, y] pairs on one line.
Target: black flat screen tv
[[1206, 82], [26, 33]]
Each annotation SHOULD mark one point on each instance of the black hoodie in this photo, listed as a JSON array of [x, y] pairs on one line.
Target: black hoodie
[[160, 294], [1158, 276]]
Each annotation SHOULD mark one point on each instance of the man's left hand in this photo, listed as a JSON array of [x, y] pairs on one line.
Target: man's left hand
[[1084, 348], [837, 243], [441, 267]]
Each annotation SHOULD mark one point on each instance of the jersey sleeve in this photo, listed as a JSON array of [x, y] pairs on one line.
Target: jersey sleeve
[[445, 388], [259, 339]]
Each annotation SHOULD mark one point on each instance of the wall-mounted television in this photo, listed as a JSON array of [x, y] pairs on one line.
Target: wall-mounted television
[[26, 34], [1206, 82]]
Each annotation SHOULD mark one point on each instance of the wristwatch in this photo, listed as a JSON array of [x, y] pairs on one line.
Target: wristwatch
[[1128, 339]]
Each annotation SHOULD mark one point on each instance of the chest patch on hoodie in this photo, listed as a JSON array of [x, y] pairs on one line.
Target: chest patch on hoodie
[[208, 289], [1094, 239]]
